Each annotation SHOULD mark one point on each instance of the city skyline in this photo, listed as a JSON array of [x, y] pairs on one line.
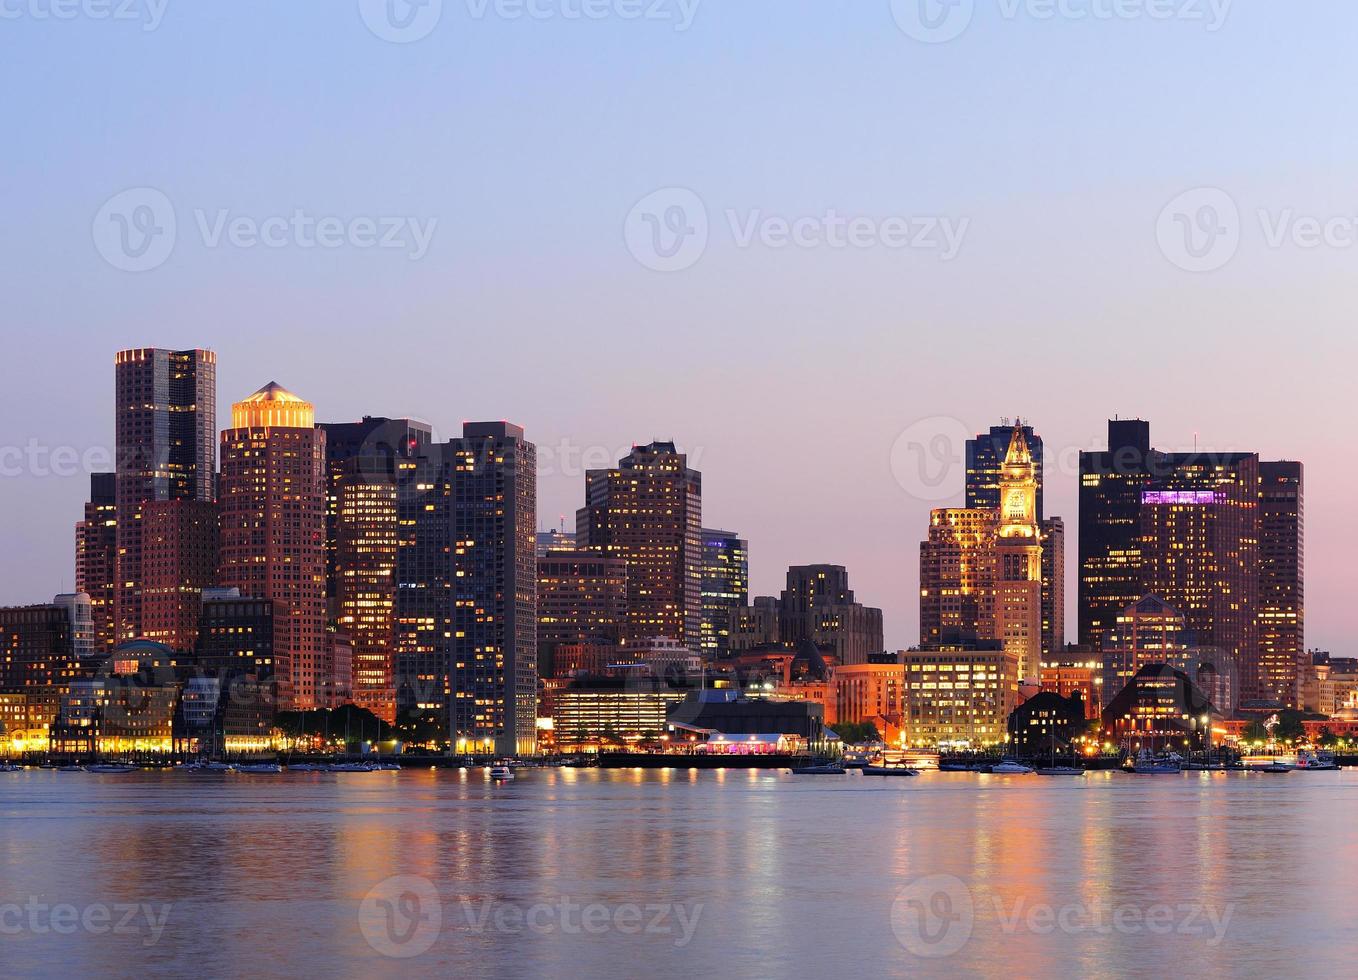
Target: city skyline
[[561, 464]]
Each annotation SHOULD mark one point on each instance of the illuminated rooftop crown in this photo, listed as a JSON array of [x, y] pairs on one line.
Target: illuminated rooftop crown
[[273, 407], [1019, 454]]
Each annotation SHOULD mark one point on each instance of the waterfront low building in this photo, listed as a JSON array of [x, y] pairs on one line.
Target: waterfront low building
[[726, 721], [1160, 706], [1047, 723], [960, 696]]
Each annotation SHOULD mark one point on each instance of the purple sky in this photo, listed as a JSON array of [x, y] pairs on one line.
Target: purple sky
[[794, 356]]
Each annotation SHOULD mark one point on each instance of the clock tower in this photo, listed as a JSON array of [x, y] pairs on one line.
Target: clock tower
[[1018, 564]]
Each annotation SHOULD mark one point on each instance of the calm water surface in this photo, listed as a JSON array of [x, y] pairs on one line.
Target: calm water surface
[[630, 874]]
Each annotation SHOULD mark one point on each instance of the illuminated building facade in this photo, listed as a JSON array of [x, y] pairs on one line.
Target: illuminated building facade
[[1111, 484], [466, 602], [43, 647], [957, 574], [1053, 587], [1018, 560], [648, 511], [363, 470], [961, 695], [236, 636], [1200, 553], [1160, 707], [1071, 678], [363, 467], [1151, 632], [96, 556], [272, 508], [818, 606], [165, 424], [985, 465], [725, 591], [582, 598], [179, 542], [1282, 574]]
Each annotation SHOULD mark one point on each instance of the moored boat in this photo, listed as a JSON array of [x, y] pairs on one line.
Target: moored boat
[[1060, 771], [822, 769], [259, 768], [501, 772], [887, 770], [1010, 767], [111, 768]]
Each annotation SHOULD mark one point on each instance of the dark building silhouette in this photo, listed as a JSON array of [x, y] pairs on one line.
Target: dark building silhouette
[[1047, 723], [818, 606]]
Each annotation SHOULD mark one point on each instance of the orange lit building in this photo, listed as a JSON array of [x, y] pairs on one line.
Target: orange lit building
[[272, 505], [1085, 680]]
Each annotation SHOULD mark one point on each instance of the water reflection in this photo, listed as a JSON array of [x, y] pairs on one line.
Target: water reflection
[[782, 875]]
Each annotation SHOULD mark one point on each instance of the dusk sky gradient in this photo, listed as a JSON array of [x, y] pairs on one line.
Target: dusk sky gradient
[[792, 375]]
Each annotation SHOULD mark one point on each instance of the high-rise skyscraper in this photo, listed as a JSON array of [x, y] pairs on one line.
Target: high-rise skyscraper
[[1282, 606], [495, 587], [985, 465], [1200, 552], [648, 511], [819, 607], [1184, 527], [361, 544], [466, 604], [957, 575], [165, 421], [1111, 484], [1053, 588], [726, 589], [273, 529], [1018, 560], [96, 556]]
